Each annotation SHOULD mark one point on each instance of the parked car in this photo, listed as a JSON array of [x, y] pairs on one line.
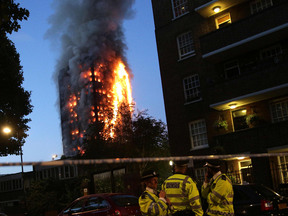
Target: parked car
[[106, 204], [258, 200]]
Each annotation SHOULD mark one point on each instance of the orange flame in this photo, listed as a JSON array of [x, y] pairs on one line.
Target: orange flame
[[114, 94], [121, 91]]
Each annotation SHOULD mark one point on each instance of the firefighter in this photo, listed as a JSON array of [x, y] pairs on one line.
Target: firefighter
[[152, 202], [182, 192], [217, 190]]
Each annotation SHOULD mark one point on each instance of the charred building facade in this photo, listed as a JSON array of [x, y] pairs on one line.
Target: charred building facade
[[224, 76], [99, 92], [95, 79]]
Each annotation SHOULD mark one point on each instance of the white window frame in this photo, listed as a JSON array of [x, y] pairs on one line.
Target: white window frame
[[263, 5], [219, 17], [227, 69], [198, 136], [275, 117], [244, 167], [183, 5], [186, 44], [284, 170], [192, 89]]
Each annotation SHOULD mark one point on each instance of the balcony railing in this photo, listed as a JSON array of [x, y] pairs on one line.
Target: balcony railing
[[245, 28], [257, 77], [253, 139], [199, 3]]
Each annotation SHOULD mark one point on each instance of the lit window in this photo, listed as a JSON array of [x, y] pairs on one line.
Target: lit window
[[239, 119], [231, 69], [260, 5], [283, 164], [185, 45], [180, 7], [279, 110], [273, 51], [223, 20], [192, 88], [198, 134]]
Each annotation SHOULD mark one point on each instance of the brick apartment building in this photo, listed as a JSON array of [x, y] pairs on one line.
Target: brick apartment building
[[222, 69]]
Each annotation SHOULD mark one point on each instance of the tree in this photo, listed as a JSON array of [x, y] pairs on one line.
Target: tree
[[150, 138], [51, 194], [136, 136], [15, 102], [10, 14]]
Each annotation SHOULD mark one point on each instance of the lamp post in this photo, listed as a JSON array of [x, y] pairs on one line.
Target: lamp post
[[8, 130]]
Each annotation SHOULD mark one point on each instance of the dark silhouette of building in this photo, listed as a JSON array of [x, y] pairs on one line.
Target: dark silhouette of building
[[225, 82]]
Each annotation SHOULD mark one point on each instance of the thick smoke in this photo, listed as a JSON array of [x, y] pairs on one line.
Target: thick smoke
[[86, 31]]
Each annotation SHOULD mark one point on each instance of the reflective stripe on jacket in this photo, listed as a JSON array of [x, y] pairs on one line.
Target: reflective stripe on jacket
[[150, 204], [219, 195], [183, 194]]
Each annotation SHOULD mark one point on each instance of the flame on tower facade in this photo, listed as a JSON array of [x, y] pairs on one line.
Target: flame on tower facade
[[92, 72]]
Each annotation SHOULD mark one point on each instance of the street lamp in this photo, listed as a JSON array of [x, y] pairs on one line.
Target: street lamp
[[8, 130]]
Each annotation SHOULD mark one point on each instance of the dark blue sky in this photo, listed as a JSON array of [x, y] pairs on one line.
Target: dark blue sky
[[38, 61]]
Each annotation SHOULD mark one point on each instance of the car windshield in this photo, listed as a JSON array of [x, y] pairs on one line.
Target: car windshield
[[264, 191], [125, 200]]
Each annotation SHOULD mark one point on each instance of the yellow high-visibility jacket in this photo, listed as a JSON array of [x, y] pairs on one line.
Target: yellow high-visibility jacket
[[219, 194], [150, 204], [183, 194]]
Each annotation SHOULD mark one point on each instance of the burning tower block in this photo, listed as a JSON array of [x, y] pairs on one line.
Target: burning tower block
[[90, 36], [101, 89]]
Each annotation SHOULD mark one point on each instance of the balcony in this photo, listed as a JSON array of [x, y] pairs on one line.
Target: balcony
[[205, 7], [260, 81], [253, 139], [247, 34]]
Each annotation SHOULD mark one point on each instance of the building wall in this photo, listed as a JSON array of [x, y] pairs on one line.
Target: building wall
[[256, 76]]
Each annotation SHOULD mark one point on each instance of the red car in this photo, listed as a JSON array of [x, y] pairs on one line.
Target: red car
[[106, 204]]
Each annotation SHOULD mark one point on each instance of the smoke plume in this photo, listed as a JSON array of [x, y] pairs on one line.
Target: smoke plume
[[87, 32]]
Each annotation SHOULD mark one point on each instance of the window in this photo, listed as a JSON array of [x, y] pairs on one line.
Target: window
[[245, 168], [200, 174], [67, 172], [102, 203], [270, 52], [198, 134], [180, 7], [125, 200], [231, 69], [10, 185], [283, 164], [223, 21], [239, 119], [185, 45], [75, 207], [279, 110], [260, 5], [192, 88], [92, 204]]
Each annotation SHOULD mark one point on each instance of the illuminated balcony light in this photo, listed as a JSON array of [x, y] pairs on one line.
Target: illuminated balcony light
[[216, 9]]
